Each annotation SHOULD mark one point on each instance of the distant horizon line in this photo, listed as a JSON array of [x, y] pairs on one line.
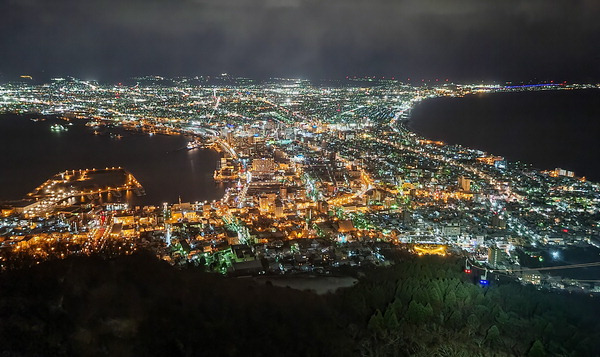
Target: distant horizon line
[[226, 76]]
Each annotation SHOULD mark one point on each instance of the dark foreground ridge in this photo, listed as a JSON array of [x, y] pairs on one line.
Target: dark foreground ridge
[[423, 306]]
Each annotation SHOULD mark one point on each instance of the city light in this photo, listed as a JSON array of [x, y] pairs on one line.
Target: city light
[[335, 164]]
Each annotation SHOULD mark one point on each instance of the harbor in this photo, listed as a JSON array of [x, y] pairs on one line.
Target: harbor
[[69, 187], [156, 161]]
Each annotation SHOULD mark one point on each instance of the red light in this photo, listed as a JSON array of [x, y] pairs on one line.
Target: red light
[[565, 230], [468, 271]]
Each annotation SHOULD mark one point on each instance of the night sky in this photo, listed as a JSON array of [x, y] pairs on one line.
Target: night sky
[[463, 40]]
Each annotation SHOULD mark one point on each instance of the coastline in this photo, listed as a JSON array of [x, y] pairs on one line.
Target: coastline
[[496, 138], [149, 158]]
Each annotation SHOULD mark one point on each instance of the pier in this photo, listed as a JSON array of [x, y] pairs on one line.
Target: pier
[[86, 183]]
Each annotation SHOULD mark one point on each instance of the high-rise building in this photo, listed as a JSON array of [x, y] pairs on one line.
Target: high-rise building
[[278, 208], [496, 256], [464, 183]]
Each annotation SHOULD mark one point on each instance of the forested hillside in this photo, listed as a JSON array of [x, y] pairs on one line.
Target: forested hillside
[[422, 306]]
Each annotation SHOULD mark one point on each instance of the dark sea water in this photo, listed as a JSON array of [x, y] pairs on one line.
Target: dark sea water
[[31, 153], [548, 129]]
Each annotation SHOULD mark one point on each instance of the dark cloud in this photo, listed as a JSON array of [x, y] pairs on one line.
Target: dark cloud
[[462, 39]]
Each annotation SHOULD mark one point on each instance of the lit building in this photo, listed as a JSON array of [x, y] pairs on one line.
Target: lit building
[[452, 230], [263, 165], [496, 256], [533, 277], [464, 183]]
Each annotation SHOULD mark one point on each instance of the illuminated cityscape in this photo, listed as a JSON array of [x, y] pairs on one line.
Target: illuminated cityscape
[[318, 175], [301, 178]]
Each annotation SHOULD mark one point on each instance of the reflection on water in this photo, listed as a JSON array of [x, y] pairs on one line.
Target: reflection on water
[[33, 153]]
